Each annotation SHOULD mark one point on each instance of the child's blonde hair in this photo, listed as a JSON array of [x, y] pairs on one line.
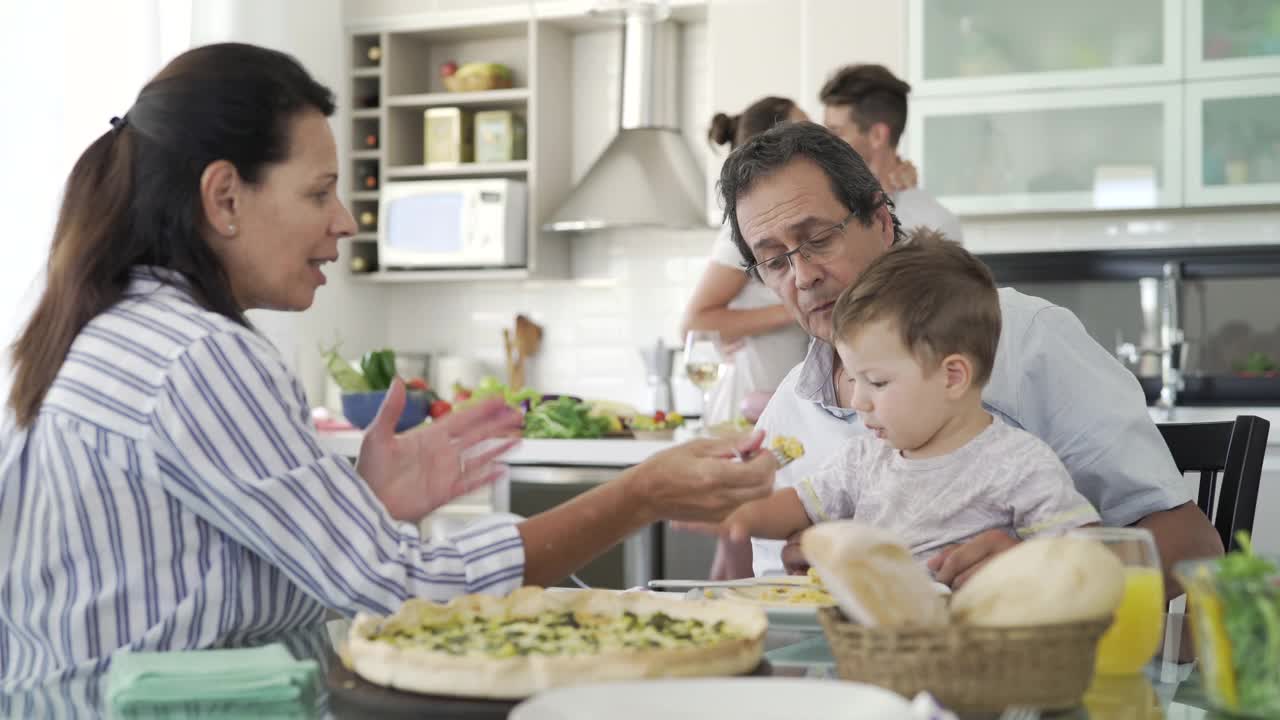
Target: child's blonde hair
[[941, 299]]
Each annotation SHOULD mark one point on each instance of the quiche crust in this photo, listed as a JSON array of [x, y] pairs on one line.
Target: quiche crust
[[416, 668]]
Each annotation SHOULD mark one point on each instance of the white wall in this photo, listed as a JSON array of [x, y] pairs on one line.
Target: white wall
[[63, 81]]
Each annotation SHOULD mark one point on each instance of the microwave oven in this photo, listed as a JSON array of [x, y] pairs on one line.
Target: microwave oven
[[452, 224]]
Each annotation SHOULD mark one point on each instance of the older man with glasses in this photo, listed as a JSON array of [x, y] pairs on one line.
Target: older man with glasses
[[808, 217]]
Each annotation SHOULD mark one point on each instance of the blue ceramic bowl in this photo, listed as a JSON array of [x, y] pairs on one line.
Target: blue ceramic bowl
[[361, 408]]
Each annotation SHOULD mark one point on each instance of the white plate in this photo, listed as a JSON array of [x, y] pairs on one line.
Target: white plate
[[799, 618], [781, 617], [737, 698]]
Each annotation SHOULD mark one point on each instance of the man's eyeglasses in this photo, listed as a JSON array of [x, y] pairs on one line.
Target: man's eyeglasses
[[823, 246]]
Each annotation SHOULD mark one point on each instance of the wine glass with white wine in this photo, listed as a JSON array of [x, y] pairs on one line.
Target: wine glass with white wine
[[704, 364]]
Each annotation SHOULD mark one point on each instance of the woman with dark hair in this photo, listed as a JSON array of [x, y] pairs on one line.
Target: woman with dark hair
[[765, 340], [161, 486]]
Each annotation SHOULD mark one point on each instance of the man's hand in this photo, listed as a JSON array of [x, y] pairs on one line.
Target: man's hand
[[957, 563], [793, 557]]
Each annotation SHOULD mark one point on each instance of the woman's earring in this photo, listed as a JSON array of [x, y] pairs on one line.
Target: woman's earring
[[231, 229]]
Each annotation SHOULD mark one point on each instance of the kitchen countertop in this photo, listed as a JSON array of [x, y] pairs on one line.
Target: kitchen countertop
[[1194, 413], [591, 453], [625, 453]]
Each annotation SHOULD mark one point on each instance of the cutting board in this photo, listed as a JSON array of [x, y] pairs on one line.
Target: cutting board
[[351, 696]]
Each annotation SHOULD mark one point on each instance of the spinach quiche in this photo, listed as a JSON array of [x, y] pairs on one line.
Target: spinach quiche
[[534, 639]]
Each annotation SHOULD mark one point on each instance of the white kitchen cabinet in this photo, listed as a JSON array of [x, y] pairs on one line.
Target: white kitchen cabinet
[[1233, 141], [789, 48], [989, 46], [1232, 38], [753, 49], [842, 32], [1048, 151]]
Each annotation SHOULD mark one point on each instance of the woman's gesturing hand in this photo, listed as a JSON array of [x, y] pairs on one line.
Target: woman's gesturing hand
[[417, 471]]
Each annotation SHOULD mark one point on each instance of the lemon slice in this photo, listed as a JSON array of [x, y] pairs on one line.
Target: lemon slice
[[1215, 646]]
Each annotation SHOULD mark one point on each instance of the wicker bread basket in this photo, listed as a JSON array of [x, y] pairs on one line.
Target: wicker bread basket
[[969, 668]]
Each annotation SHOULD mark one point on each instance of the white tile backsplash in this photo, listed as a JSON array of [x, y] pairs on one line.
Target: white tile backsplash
[[592, 334]]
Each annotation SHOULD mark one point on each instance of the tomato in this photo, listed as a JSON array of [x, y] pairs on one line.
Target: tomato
[[440, 408], [659, 417], [417, 384]]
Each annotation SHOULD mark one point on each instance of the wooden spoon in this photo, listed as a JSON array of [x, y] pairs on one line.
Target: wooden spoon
[[509, 354], [528, 342]]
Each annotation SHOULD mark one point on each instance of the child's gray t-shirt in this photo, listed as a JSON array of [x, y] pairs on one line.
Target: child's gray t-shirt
[[1004, 478]]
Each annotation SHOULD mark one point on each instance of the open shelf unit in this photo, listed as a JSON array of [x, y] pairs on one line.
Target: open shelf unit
[[408, 82]]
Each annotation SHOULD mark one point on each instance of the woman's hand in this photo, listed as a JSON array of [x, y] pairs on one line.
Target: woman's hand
[[418, 471], [902, 176], [701, 481]]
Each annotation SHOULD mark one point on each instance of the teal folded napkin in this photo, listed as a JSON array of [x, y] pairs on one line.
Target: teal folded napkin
[[267, 674]]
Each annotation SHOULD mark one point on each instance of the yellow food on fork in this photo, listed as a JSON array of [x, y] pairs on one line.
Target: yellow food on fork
[[786, 449]]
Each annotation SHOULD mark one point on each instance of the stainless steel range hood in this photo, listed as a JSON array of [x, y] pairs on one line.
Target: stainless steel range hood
[[646, 177]]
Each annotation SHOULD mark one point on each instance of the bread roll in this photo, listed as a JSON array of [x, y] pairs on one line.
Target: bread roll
[[871, 575], [1041, 582]]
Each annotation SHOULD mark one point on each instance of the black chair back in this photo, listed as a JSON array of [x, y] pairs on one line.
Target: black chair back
[[1228, 451]]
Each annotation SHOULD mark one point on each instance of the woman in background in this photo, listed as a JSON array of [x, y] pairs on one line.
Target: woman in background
[[763, 341]]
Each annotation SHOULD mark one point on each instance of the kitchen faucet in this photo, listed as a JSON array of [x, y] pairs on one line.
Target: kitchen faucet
[[1171, 346]]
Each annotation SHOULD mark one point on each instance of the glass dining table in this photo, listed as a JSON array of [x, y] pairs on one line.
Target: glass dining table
[[1165, 690]]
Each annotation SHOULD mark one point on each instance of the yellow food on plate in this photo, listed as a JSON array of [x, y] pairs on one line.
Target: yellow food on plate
[[796, 595], [799, 591]]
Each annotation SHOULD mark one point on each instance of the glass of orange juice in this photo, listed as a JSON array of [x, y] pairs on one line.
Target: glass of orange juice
[[1138, 628]]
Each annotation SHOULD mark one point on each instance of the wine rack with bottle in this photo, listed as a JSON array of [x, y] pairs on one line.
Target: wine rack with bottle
[[364, 171]]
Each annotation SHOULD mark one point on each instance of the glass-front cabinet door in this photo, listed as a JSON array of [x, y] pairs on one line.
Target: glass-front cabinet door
[[982, 46], [1233, 142], [1232, 38], [1050, 151]]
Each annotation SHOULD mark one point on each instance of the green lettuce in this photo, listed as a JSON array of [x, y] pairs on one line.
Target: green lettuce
[[1246, 585], [563, 418]]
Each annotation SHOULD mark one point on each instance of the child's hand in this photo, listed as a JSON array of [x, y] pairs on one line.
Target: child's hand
[[793, 558], [957, 563]]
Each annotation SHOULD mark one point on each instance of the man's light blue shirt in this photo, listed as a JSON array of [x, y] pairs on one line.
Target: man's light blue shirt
[[1050, 378]]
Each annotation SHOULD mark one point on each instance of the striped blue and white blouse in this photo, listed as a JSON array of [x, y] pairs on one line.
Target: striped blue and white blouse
[[172, 494]]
